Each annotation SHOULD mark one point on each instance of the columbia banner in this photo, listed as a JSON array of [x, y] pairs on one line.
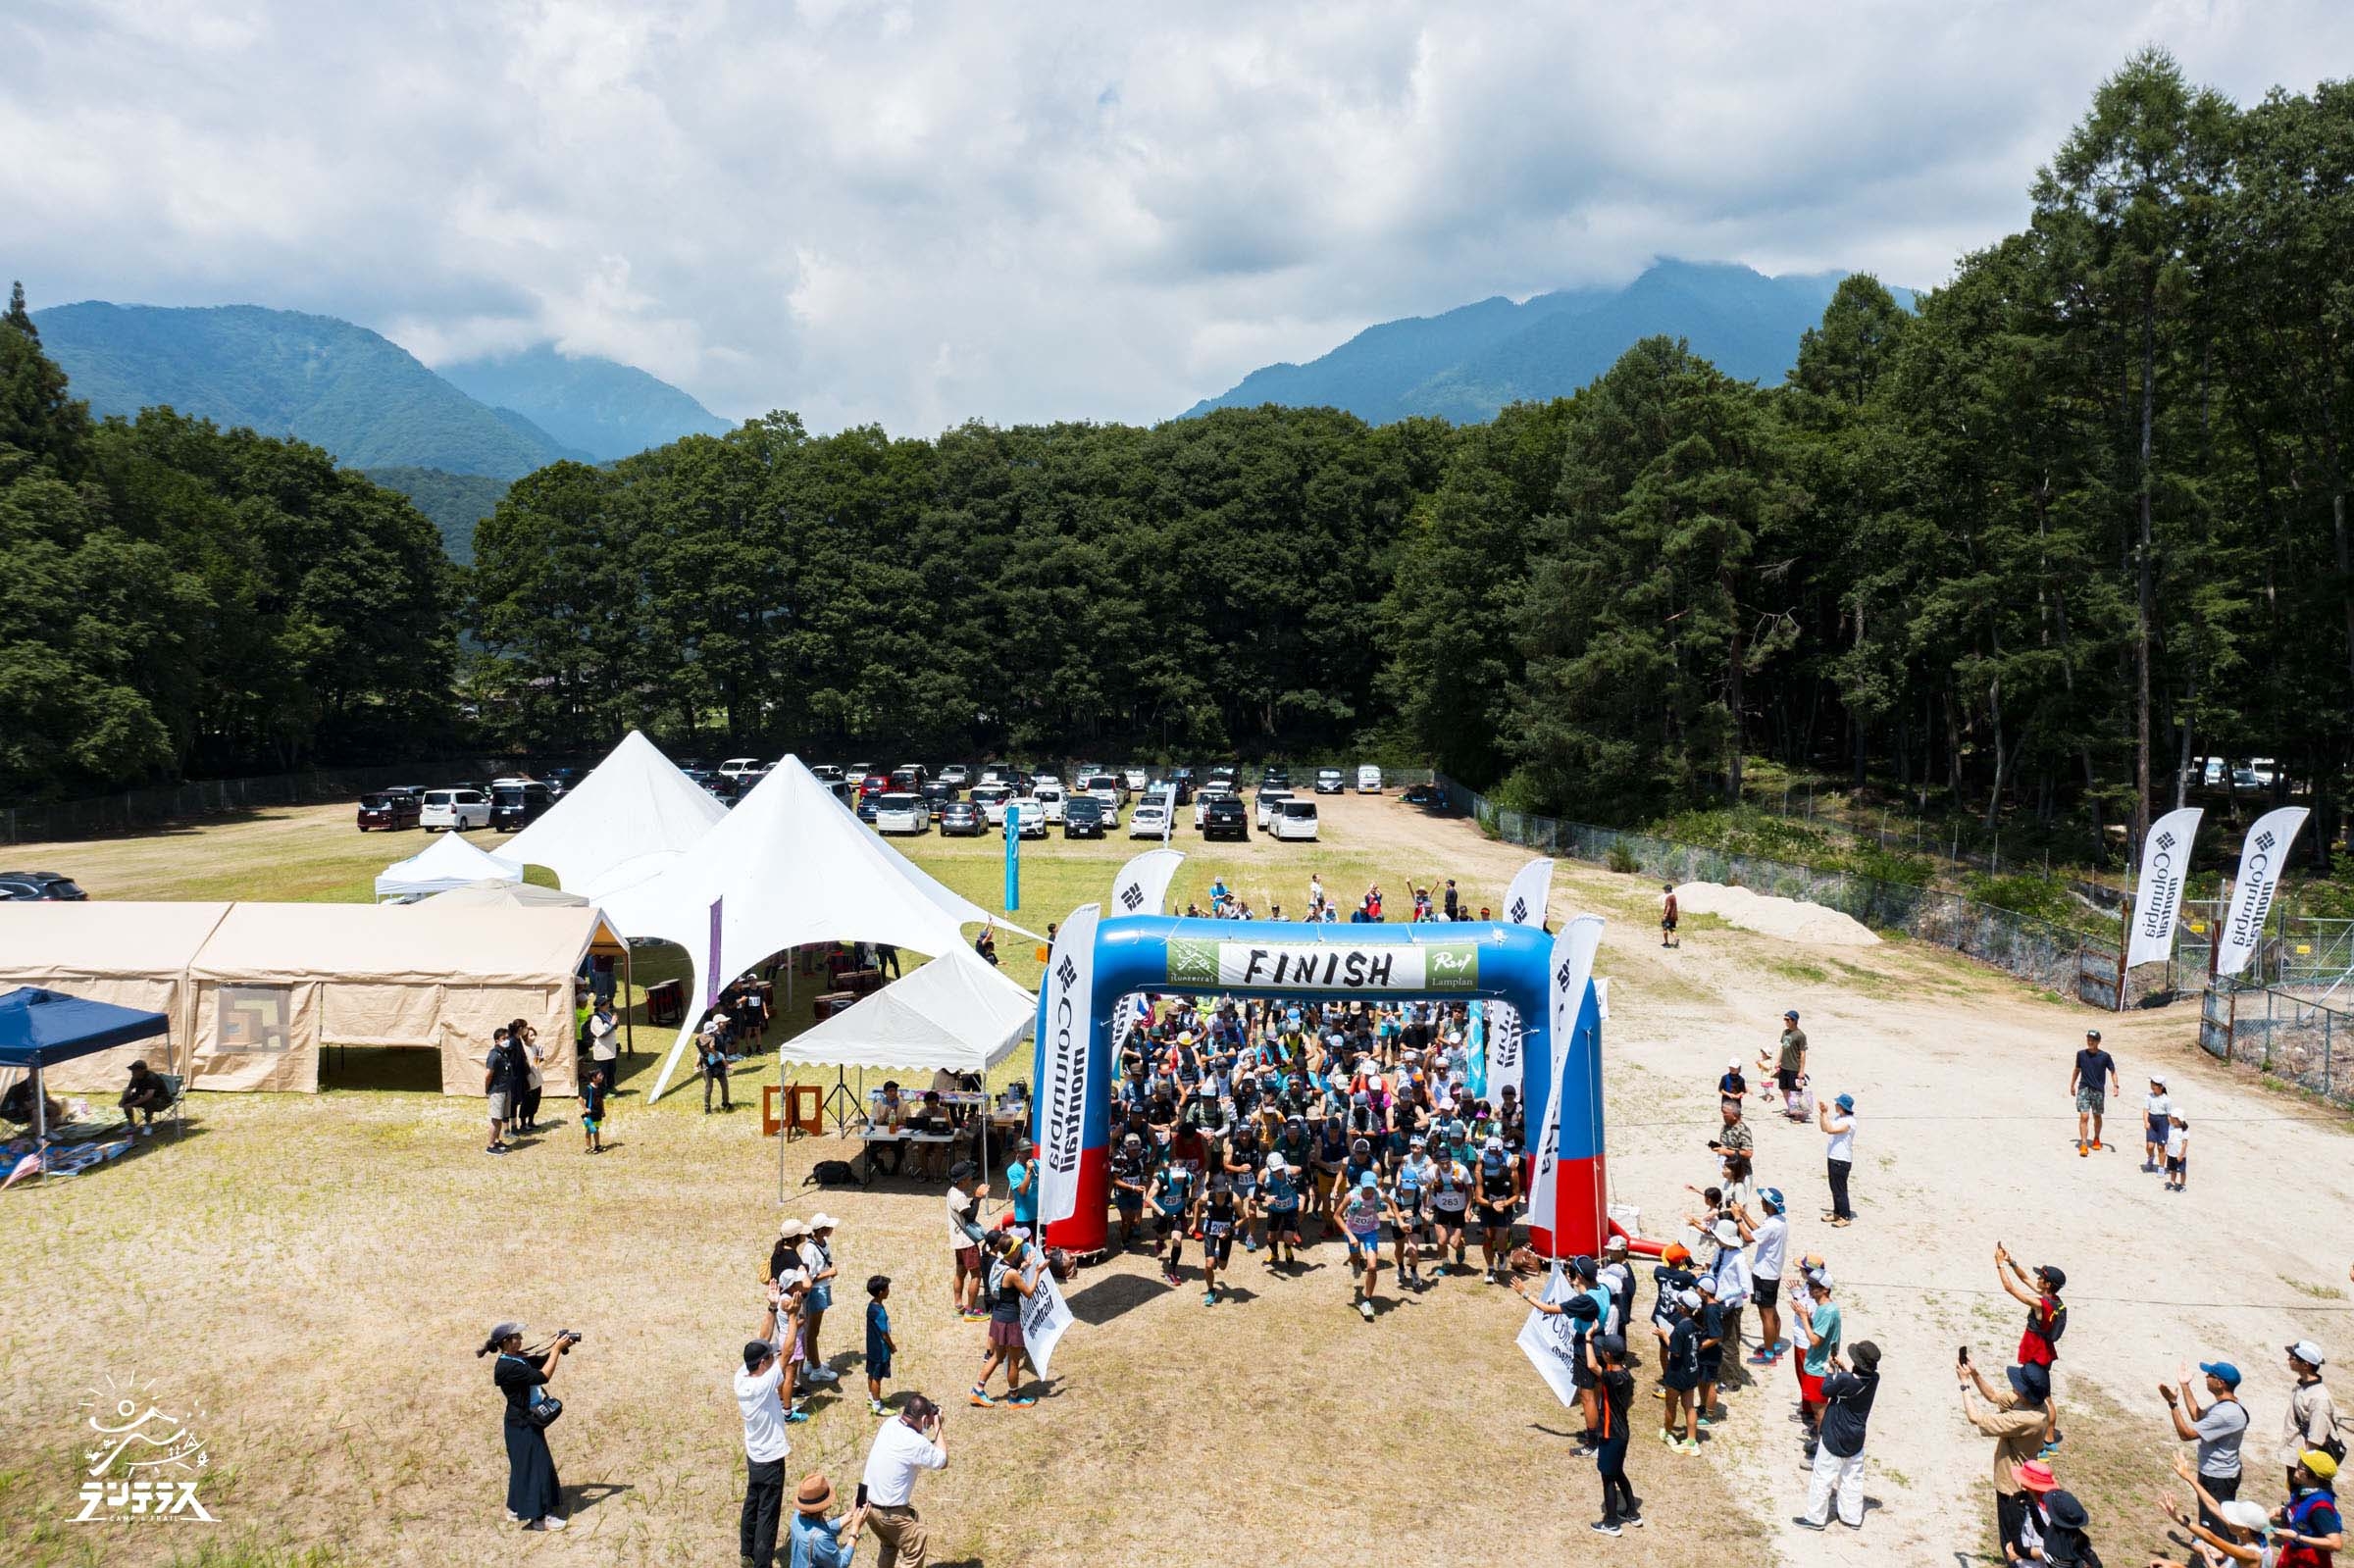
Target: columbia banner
[[2157, 899], [1143, 884], [1547, 1340], [1571, 979], [1523, 905], [2261, 860], [1064, 1025], [1045, 1315]]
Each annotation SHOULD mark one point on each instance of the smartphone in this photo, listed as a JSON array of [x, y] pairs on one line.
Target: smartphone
[[1962, 1359], [861, 1493]]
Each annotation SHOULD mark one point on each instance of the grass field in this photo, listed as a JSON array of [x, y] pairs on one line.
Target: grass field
[[312, 1270]]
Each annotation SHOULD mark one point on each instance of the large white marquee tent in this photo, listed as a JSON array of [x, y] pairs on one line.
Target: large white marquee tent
[[955, 1012], [628, 821], [449, 861]]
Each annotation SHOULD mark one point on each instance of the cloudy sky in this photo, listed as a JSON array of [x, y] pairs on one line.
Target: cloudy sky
[[920, 213]]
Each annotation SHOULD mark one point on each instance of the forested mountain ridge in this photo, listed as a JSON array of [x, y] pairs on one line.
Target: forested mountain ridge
[[1466, 364], [454, 502], [600, 408]]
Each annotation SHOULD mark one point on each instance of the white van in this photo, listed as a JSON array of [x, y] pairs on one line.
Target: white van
[[1047, 794], [1369, 780], [735, 768], [445, 810], [902, 813], [1296, 818]]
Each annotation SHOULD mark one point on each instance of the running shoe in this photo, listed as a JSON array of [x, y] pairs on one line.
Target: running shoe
[[876, 1408], [1209, 1298], [2081, 1153], [980, 1400], [1168, 1276], [1632, 1520], [1688, 1445], [1606, 1527], [1019, 1401], [1365, 1311], [796, 1415], [2096, 1142]]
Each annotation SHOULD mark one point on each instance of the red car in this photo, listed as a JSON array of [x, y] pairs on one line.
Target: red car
[[874, 783], [390, 809]]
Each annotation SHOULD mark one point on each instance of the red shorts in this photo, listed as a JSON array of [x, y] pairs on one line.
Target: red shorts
[[968, 1260], [1810, 1387]]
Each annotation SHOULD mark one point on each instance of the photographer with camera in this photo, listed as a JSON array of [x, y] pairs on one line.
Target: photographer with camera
[[521, 1375], [912, 1441]]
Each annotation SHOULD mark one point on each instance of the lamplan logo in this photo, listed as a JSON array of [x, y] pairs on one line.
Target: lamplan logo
[[1324, 966], [146, 1455]]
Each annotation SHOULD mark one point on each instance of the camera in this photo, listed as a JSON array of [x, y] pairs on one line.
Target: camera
[[566, 1338]]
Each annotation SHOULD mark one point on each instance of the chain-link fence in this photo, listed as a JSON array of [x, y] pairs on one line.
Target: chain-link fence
[[2049, 955], [2284, 1036], [140, 810]]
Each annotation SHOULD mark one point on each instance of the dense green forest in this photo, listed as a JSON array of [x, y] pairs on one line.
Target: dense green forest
[[2077, 518], [454, 502], [179, 599]]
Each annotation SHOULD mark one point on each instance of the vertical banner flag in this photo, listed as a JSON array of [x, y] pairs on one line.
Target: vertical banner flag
[[1045, 1315], [1143, 884], [711, 976], [2157, 899], [1013, 856], [1475, 1053], [2262, 859], [1064, 1027], [1549, 1343], [1572, 974], [1524, 903]]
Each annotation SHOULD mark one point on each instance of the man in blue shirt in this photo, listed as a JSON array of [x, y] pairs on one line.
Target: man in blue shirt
[[818, 1542], [1022, 1183]]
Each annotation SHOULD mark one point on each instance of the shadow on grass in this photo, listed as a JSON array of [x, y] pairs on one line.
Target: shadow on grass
[[1114, 1295], [589, 1494]]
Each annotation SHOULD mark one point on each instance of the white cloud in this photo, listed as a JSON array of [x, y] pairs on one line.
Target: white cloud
[[913, 213]]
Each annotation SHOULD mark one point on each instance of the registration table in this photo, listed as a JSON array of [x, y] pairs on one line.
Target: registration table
[[1004, 1120]]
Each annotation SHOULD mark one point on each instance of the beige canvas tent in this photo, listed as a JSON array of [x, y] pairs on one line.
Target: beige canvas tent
[[255, 991], [134, 955]]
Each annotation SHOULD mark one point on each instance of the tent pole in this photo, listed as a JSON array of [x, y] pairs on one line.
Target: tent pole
[[784, 1121], [40, 1118], [629, 984]]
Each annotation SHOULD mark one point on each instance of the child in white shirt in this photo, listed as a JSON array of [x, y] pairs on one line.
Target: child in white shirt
[[2178, 1153]]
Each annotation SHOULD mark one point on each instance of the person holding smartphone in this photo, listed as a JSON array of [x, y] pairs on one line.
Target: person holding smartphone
[[905, 1446], [818, 1542]]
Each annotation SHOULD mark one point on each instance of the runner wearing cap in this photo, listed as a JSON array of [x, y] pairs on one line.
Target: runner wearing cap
[[1769, 1235], [1218, 1215], [2216, 1429], [1407, 1195], [2158, 1120], [1128, 1177], [1280, 1191], [2092, 1079], [1174, 1188], [2311, 1420], [1499, 1195], [1450, 1200], [1331, 1156], [1360, 1225]]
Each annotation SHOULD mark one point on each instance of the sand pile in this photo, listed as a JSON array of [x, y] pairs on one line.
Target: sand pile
[[1786, 918]]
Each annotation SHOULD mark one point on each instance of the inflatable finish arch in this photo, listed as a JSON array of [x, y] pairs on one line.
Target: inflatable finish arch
[[1095, 963]]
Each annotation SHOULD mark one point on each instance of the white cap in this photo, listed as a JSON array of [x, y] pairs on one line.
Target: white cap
[[1690, 1298], [1275, 1162], [1733, 1066], [2308, 1352], [1728, 1233]]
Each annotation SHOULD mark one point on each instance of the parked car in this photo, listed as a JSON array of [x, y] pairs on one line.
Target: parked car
[[1030, 814], [825, 773], [937, 792], [858, 770], [1000, 773], [1296, 819], [865, 808], [909, 777], [962, 819], [1134, 778], [454, 809], [1211, 791], [1273, 777], [738, 767], [874, 783], [957, 776], [1103, 786], [1330, 780], [902, 812], [389, 809], [38, 886], [1424, 796], [991, 799], [1369, 780], [1224, 773], [559, 779], [1083, 818], [1222, 817], [1181, 781], [1262, 809], [517, 803], [1150, 819], [1050, 798]]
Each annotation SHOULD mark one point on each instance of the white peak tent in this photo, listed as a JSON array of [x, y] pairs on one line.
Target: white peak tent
[[955, 1012], [625, 822], [491, 894], [788, 866], [449, 861]]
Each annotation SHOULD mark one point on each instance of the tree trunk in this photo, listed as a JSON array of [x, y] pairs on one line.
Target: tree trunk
[[2145, 609]]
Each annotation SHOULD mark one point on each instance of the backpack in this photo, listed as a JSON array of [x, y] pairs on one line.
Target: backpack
[[831, 1173]]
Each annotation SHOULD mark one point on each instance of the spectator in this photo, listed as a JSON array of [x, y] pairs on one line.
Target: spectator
[[2092, 1081], [887, 957], [145, 1093], [2035, 1482], [1819, 1334], [816, 1540], [1667, 915], [1838, 1120], [499, 1069], [1614, 1387], [604, 1036], [880, 1345], [532, 1491], [964, 1243], [817, 1261], [1769, 1236], [1011, 1282], [2245, 1525], [2311, 1420], [2216, 1429], [1022, 1183], [1732, 1286], [760, 1399], [526, 1114], [2178, 1155], [1735, 1136], [2014, 1419], [2066, 1545], [2310, 1526], [592, 1111], [2047, 1318], [1847, 1398], [1790, 1064], [1732, 1089], [2158, 1120], [913, 1443]]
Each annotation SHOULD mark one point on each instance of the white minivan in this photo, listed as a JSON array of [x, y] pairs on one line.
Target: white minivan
[[902, 813], [445, 810], [1369, 780], [1047, 794], [1296, 818]]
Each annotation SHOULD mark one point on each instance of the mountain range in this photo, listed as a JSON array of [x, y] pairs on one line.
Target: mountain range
[[1467, 362]]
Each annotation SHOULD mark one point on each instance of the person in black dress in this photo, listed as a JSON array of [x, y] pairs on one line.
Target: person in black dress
[[531, 1488]]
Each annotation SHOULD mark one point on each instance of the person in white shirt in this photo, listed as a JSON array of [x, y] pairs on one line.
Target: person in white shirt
[[905, 1446], [1838, 1121], [1769, 1236], [2156, 1118], [1731, 1274], [758, 1395], [604, 1031]]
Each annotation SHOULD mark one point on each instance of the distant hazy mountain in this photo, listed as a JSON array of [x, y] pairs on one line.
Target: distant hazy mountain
[[343, 387], [456, 502], [606, 410], [1469, 363]]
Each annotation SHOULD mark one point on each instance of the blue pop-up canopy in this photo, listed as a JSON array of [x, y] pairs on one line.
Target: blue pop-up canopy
[[42, 1028]]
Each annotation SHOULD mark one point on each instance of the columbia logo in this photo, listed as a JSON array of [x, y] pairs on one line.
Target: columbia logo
[[2264, 841], [2166, 841], [1066, 972], [1518, 912], [1132, 895]]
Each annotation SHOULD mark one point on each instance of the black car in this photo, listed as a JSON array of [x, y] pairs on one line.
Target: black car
[[962, 819], [559, 779], [1083, 817], [38, 886], [1424, 796], [1225, 817], [866, 806], [516, 806], [1274, 779], [390, 809], [937, 792]]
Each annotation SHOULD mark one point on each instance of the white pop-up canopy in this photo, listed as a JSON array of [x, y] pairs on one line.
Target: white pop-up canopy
[[448, 862], [955, 1012], [788, 866], [628, 821]]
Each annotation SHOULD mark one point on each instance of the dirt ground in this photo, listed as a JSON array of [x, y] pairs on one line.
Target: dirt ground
[[315, 1271]]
